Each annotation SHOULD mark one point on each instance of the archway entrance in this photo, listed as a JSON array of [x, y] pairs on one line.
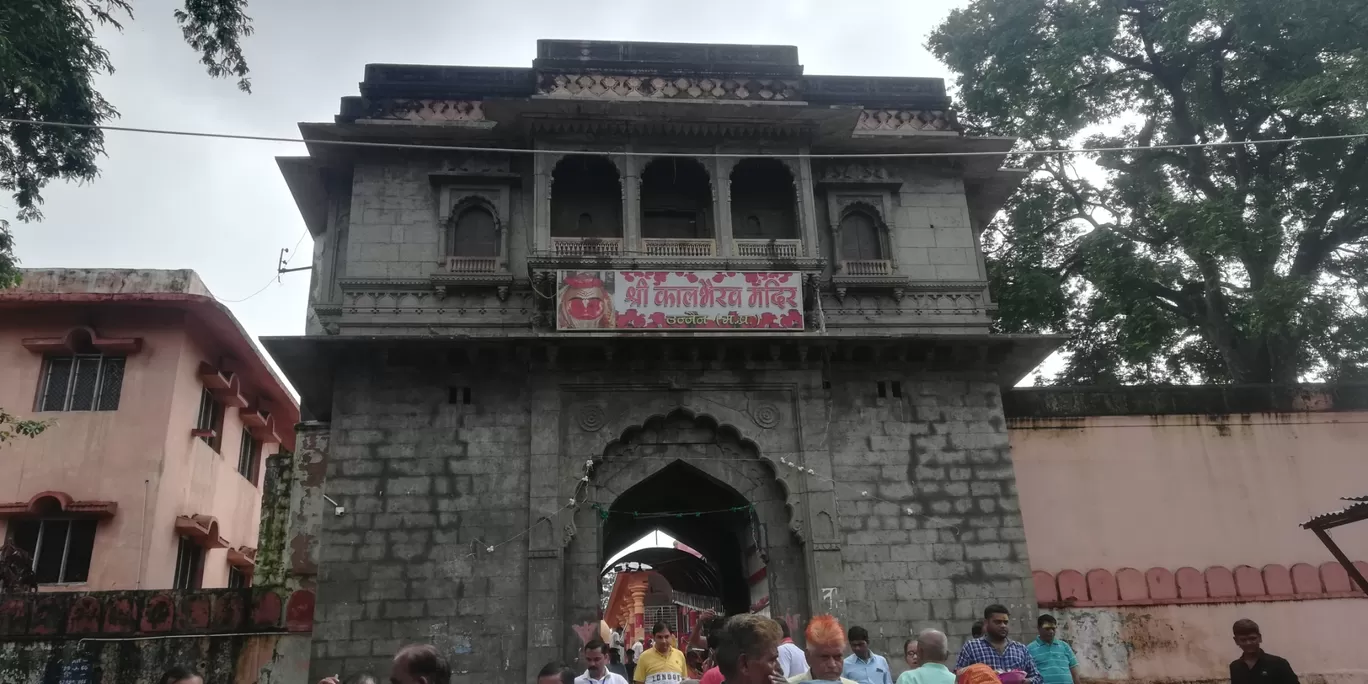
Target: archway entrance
[[709, 489], [699, 512]]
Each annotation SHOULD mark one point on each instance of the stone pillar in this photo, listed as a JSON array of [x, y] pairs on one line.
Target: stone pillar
[[807, 205], [542, 166], [721, 173], [292, 512], [546, 625], [631, 202]]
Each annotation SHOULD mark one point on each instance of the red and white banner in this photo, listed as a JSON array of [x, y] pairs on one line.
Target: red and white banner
[[679, 300]]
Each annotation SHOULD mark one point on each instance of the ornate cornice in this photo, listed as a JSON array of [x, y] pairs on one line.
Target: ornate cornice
[[598, 86], [677, 129], [907, 122], [548, 261], [427, 112]]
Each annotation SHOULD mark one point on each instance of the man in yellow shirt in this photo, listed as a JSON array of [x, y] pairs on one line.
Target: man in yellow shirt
[[663, 664]]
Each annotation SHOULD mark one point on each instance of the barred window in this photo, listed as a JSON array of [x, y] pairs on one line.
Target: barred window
[[84, 382], [237, 579], [61, 547], [189, 565], [210, 421], [249, 454]]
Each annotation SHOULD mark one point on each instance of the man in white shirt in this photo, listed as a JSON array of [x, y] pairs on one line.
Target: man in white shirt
[[791, 658], [596, 662]]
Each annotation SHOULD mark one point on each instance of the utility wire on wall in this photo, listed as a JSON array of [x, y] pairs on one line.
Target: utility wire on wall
[[692, 155]]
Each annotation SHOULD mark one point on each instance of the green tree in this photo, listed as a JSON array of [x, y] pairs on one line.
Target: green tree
[[49, 60], [1242, 264]]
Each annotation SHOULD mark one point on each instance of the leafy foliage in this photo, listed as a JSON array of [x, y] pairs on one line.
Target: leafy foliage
[[12, 427], [1243, 263], [16, 570], [49, 60]]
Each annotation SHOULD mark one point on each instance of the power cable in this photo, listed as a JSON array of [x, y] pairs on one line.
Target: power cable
[[692, 155]]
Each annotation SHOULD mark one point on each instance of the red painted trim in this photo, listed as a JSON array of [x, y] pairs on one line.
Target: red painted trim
[[758, 576], [1188, 586], [206, 314], [204, 529], [71, 342], [65, 503]]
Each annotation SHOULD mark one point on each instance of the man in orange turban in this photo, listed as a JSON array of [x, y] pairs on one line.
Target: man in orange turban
[[826, 642]]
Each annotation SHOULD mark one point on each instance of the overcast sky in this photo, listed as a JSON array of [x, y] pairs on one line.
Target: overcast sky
[[220, 207]]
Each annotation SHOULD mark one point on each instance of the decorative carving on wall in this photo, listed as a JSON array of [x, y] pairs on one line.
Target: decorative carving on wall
[[766, 416], [477, 164], [619, 86], [858, 172], [905, 122], [591, 418], [430, 111]]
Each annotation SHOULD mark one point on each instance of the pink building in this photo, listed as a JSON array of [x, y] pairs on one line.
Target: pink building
[[164, 410]]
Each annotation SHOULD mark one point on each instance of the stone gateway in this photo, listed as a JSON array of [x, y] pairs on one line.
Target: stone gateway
[[671, 313]]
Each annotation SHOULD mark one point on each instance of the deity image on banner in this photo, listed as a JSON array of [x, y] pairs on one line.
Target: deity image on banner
[[585, 301]]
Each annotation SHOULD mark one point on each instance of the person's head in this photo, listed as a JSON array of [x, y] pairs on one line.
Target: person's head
[[859, 641], [595, 657], [910, 652], [362, 678], [826, 642], [613, 657], [181, 675], [995, 619], [555, 673], [419, 664], [1045, 627], [978, 673], [932, 646], [749, 652], [660, 635], [976, 631], [1247, 636], [783, 627]]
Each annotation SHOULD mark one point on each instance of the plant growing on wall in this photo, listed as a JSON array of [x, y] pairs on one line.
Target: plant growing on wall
[[12, 427], [49, 59], [16, 570], [1244, 263]]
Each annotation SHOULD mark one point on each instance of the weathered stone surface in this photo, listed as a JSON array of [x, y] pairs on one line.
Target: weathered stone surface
[[916, 509]]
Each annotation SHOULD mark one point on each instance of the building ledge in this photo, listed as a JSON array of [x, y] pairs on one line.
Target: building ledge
[[312, 361], [203, 529], [42, 502], [80, 339]]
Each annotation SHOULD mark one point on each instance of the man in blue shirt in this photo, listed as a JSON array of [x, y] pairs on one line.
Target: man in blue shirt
[[865, 666], [1054, 658], [995, 650]]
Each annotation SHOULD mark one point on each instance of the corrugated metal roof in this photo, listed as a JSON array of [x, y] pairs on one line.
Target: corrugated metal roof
[[1351, 513]]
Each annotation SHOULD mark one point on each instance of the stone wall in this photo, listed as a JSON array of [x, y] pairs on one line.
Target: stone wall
[[459, 530], [940, 451]]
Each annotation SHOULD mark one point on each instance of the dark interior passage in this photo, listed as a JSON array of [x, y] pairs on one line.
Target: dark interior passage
[[692, 507]]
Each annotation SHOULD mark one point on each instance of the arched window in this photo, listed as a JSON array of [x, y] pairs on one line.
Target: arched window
[[860, 237], [475, 234]]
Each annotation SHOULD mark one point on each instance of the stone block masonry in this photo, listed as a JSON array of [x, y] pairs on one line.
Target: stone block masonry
[[428, 486], [940, 450], [917, 525]]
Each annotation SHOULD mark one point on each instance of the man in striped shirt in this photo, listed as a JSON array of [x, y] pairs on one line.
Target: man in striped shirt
[[1054, 658], [996, 650]]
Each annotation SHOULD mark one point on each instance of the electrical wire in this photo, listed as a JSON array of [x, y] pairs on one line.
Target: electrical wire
[[692, 155]]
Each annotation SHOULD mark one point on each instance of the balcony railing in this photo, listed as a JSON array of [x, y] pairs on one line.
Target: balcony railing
[[572, 246], [867, 267], [768, 249], [672, 247], [465, 264]]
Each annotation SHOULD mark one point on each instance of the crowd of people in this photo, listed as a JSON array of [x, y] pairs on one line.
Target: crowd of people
[[752, 649]]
